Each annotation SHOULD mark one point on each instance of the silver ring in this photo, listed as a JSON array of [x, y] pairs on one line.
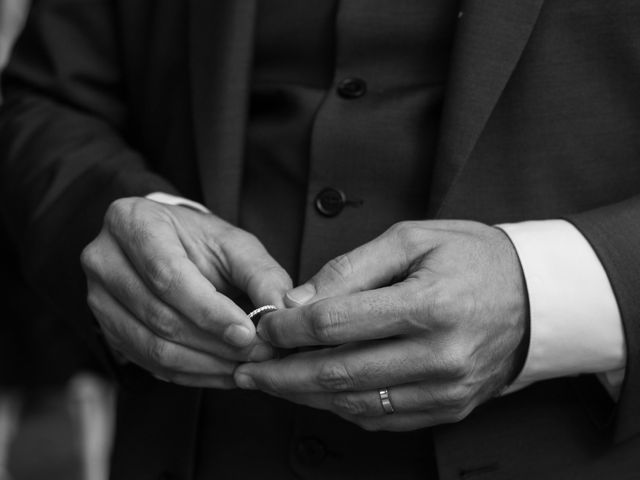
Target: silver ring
[[385, 400], [258, 312]]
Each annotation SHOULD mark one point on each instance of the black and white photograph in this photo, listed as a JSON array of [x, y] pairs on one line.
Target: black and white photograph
[[319, 240]]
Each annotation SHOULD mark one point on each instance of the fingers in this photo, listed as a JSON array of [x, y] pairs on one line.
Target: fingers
[[449, 399], [254, 271], [366, 294], [152, 245], [416, 405], [349, 368], [401, 309], [369, 266], [122, 282], [161, 357]]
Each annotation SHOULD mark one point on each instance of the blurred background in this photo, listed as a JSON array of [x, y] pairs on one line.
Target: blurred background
[[56, 409]]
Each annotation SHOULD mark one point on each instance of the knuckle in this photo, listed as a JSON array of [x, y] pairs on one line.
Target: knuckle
[[141, 233], [457, 364], [398, 229], [458, 397], [248, 236], [157, 352], [334, 376], [326, 323], [340, 267], [131, 219], [206, 317], [408, 234], [348, 404], [440, 304], [118, 211], [163, 275], [163, 321], [467, 306], [453, 307]]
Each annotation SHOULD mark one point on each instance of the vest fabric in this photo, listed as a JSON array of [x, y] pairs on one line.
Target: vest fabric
[[340, 90]]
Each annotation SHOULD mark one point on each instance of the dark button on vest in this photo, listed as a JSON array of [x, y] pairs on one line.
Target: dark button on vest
[[351, 88], [310, 451], [330, 202]]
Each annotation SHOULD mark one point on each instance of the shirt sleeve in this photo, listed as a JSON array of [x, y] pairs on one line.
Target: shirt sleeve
[[576, 327]]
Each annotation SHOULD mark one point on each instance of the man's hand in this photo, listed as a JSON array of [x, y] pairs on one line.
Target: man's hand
[[433, 310], [158, 278]]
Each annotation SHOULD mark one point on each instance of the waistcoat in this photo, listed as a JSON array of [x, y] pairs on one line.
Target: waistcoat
[[345, 106]]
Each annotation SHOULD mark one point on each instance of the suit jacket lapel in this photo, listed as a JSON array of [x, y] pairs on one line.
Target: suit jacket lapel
[[221, 51], [490, 38]]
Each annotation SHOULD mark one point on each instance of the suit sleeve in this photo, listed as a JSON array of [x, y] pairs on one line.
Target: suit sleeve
[[64, 155], [575, 325], [614, 233]]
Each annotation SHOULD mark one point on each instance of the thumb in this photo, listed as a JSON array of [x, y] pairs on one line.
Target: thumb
[[372, 265]]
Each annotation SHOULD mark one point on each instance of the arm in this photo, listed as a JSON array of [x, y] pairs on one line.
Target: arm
[[158, 277], [614, 233], [575, 323], [62, 148]]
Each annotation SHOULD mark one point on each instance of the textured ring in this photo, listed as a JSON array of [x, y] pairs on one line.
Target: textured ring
[[258, 312], [385, 400]]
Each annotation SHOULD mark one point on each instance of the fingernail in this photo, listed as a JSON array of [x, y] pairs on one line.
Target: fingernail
[[302, 294], [245, 382], [261, 353], [263, 332], [238, 335]]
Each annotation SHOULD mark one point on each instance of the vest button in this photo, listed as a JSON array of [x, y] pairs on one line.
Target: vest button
[[351, 88], [310, 451], [330, 202]]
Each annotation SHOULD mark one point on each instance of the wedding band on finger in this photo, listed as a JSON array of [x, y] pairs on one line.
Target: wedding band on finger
[[258, 312], [385, 401]]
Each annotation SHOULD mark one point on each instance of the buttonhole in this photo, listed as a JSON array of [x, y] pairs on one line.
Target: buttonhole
[[474, 472], [357, 203]]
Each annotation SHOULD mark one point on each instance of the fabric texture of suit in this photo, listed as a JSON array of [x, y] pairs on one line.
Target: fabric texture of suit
[[106, 99]]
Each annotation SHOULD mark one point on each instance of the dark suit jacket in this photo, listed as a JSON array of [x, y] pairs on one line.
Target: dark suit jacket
[[36, 350], [541, 120]]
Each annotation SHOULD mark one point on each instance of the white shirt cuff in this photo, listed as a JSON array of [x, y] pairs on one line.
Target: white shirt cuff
[[168, 199], [576, 326]]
